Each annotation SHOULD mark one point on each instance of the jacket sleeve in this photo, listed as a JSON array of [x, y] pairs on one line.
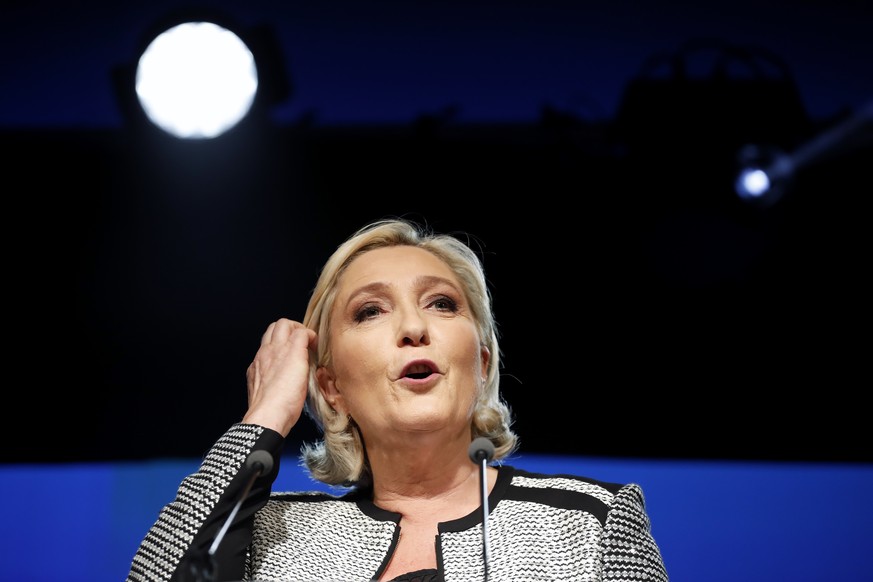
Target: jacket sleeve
[[630, 553], [176, 546]]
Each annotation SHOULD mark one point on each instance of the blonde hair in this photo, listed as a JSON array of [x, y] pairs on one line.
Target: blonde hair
[[340, 458]]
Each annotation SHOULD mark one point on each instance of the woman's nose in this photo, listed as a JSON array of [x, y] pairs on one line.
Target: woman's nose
[[414, 339], [413, 328]]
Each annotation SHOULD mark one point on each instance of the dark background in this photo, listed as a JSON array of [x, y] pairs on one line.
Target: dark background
[[587, 149]]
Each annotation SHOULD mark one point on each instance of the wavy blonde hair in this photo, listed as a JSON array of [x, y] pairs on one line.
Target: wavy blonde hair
[[340, 458]]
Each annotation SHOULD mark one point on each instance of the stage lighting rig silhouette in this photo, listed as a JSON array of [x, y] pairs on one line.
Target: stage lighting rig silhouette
[[767, 173], [199, 75]]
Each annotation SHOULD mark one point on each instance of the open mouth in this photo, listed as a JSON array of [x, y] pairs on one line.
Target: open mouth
[[418, 371]]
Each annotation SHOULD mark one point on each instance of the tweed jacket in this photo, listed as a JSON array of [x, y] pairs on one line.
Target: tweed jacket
[[542, 527]]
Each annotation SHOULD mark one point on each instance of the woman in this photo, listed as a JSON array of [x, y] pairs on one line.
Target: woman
[[397, 361]]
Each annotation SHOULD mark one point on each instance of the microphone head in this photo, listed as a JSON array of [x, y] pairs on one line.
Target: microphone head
[[481, 449], [262, 458]]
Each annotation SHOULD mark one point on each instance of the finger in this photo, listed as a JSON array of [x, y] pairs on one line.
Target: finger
[[284, 329], [313, 339], [303, 337], [279, 330], [267, 337]]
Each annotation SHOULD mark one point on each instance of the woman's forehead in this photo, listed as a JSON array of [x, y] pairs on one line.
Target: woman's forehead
[[393, 263]]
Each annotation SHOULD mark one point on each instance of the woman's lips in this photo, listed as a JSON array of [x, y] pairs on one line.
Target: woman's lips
[[419, 369]]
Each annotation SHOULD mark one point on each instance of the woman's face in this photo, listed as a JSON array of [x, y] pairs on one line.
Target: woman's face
[[406, 356]]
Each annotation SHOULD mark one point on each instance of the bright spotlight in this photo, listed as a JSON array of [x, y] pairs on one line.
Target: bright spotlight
[[196, 80], [753, 183], [198, 75], [766, 173]]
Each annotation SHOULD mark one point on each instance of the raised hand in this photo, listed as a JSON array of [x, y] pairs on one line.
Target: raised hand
[[277, 378]]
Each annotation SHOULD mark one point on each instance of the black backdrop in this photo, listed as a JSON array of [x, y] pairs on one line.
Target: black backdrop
[[645, 311], [640, 316]]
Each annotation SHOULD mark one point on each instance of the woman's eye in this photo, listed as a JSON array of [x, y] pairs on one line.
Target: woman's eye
[[366, 312], [445, 304]]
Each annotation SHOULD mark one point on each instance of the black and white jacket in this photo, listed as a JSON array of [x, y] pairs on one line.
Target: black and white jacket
[[541, 527]]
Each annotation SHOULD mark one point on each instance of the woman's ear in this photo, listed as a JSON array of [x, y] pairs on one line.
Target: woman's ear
[[327, 386], [485, 355]]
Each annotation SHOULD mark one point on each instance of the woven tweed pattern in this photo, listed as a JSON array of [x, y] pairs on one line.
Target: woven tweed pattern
[[541, 527], [528, 542], [531, 541], [565, 483], [179, 521], [307, 540], [629, 552]]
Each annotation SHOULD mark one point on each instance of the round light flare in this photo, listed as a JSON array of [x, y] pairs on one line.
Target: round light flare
[[196, 80], [752, 183]]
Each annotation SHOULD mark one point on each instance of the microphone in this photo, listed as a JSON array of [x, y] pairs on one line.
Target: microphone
[[260, 462], [481, 451]]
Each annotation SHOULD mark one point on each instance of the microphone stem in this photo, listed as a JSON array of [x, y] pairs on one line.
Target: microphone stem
[[483, 479], [233, 513]]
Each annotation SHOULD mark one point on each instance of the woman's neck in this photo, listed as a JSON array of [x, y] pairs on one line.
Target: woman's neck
[[451, 495]]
